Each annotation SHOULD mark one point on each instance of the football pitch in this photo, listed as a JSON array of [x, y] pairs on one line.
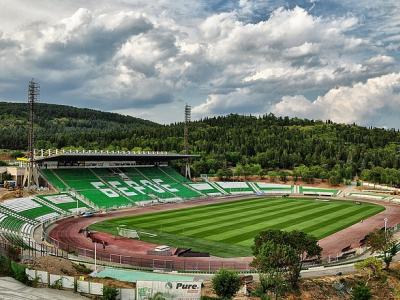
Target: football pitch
[[228, 229]]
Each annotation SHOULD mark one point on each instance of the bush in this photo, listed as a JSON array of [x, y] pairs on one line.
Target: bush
[[57, 284], [18, 273], [110, 293], [226, 283], [81, 268], [16, 154], [361, 292], [5, 266]]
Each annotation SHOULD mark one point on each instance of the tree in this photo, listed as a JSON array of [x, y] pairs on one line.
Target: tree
[[226, 283], [283, 175], [372, 267], [382, 241], [302, 244], [273, 175], [276, 264], [238, 170]]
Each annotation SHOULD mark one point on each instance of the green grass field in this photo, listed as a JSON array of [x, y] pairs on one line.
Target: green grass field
[[228, 229]]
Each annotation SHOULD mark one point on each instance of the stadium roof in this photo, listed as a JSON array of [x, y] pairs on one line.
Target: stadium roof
[[96, 155]]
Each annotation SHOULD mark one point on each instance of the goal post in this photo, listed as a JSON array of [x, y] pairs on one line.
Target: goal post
[[129, 233]]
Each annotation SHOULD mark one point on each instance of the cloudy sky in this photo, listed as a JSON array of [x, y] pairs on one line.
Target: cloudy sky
[[322, 59]]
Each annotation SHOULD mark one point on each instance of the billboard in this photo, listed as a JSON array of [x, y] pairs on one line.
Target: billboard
[[168, 290]]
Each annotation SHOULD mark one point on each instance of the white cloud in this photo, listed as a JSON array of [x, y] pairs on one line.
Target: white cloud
[[381, 60], [243, 56], [363, 103], [239, 101]]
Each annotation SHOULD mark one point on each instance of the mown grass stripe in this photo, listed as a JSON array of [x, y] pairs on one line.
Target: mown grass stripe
[[222, 216], [217, 206], [278, 223], [247, 220], [189, 210], [319, 224], [342, 222], [225, 219], [165, 221]]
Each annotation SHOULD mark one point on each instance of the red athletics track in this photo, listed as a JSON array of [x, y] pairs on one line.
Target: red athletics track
[[122, 250]]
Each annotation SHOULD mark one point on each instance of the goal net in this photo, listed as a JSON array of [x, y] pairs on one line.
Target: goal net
[[129, 233]]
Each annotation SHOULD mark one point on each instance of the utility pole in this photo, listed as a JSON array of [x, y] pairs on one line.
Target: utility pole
[[188, 116]]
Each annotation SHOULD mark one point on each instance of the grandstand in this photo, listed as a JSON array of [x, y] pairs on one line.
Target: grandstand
[[312, 191], [18, 217], [115, 180], [128, 186], [207, 188], [272, 188]]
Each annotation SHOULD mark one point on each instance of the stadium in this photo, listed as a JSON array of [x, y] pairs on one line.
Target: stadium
[[142, 213]]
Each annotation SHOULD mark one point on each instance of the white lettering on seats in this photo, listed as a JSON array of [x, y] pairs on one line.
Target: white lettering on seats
[[136, 186], [165, 186], [124, 190], [152, 186], [109, 192]]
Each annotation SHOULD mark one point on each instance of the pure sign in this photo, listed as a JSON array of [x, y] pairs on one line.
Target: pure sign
[[176, 290]]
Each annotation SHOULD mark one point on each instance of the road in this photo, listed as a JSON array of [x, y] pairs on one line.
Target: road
[[11, 289]]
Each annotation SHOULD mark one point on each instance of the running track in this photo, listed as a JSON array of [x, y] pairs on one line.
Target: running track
[[134, 252]]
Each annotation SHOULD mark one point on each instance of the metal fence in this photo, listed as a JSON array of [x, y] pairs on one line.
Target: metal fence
[[162, 263]]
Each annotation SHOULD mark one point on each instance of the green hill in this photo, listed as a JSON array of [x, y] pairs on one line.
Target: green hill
[[267, 142], [61, 126]]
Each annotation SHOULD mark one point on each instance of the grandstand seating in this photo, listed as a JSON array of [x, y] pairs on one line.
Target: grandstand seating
[[272, 188], [143, 177], [93, 187], [119, 187], [19, 216], [122, 187], [236, 187], [206, 188], [170, 180], [63, 201], [55, 181], [306, 190]]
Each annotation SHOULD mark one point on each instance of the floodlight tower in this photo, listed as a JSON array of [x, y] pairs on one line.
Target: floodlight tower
[[188, 116], [31, 177]]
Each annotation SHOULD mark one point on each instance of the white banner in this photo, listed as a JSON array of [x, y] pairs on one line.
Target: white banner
[[169, 290]]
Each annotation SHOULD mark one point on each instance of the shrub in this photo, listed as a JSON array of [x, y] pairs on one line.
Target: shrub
[[57, 284], [81, 268], [5, 266], [226, 283], [361, 292], [110, 293], [18, 273]]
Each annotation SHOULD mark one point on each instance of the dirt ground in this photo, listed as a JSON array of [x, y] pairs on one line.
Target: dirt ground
[[55, 265]]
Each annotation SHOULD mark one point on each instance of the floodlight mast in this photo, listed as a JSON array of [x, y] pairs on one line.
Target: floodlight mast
[[188, 116], [31, 178]]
